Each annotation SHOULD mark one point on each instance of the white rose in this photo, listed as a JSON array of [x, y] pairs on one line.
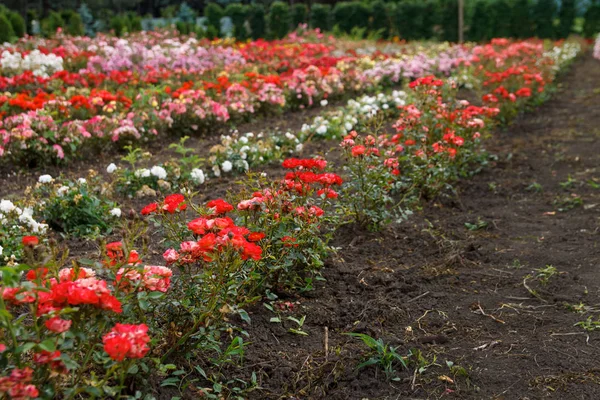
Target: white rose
[[324, 102], [198, 176], [227, 166], [321, 130], [159, 172], [111, 168], [6, 206], [216, 170], [116, 212], [81, 181], [45, 179], [142, 173]]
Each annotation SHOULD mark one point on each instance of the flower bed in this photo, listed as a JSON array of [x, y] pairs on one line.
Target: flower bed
[[99, 326]]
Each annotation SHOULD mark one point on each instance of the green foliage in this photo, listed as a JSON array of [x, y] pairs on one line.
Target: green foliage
[[320, 16], [279, 19], [348, 15], [543, 14], [135, 23], [382, 355], [118, 24], [479, 29], [213, 13], [256, 20], [567, 18], [381, 13], [6, 31], [521, 19], [299, 14], [75, 25], [17, 22], [410, 19], [448, 12], [591, 25], [499, 23], [75, 208], [52, 23], [239, 15]]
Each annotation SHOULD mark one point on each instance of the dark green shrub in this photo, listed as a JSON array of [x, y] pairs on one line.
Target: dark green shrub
[[17, 22], [7, 33], [381, 17], [135, 23], [182, 27], [500, 11], [279, 19], [409, 20], [479, 28], [118, 24], [521, 22], [347, 15], [448, 12], [256, 19], [75, 25], [212, 32], [213, 13], [239, 15], [591, 26], [567, 17], [52, 23], [320, 16], [543, 14], [299, 14]]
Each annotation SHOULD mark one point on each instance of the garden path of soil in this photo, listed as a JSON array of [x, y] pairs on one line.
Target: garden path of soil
[[461, 295]]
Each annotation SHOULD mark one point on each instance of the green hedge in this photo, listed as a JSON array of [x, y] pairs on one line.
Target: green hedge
[[279, 19]]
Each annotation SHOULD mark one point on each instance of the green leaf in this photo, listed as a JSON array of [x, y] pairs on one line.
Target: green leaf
[[133, 370], [47, 345], [370, 361], [275, 319], [244, 316]]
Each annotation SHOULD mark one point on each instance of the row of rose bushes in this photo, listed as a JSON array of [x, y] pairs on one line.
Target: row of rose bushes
[[98, 327], [137, 88]]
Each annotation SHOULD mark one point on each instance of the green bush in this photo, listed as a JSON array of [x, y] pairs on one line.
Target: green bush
[[279, 19], [500, 25], [182, 27], [479, 28], [118, 24], [52, 23], [381, 17], [567, 17], [135, 23], [238, 14], [412, 19], [521, 22], [543, 14], [320, 17], [7, 33], [17, 22], [257, 21], [89, 26], [75, 25], [348, 15], [448, 12], [299, 15], [212, 32], [591, 26], [213, 13]]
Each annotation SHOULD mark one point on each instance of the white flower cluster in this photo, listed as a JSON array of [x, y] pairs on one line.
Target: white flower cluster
[[40, 64], [563, 55], [19, 219], [356, 113], [156, 171]]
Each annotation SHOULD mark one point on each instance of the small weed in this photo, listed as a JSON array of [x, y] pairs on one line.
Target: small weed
[[568, 203], [589, 324], [480, 224], [382, 355], [516, 263], [493, 187], [534, 187], [570, 182], [299, 323], [545, 274], [593, 184]]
